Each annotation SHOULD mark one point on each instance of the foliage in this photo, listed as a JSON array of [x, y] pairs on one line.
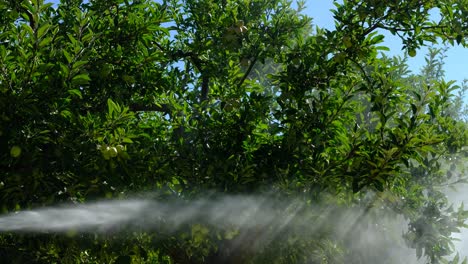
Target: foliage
[[106, 98]]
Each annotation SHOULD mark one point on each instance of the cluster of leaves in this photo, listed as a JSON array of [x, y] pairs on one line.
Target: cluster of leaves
[[104, 98]]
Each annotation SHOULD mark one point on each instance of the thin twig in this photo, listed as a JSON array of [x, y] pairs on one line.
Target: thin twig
[[246, 74]]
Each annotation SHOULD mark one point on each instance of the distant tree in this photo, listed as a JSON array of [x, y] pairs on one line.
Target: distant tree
[[105, 98]]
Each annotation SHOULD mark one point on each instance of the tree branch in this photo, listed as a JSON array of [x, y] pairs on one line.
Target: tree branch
[[407, 29], [198, 63], [205, 89], [248, 71]]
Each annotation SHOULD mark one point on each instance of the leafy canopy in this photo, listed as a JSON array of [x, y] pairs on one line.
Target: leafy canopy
[[105, 98]]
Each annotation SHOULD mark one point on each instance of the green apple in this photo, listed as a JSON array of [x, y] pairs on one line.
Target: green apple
[[120, 148], [340, 57], [113, 152], [296, 62], [15, 151], [106, 152], [347, 42]]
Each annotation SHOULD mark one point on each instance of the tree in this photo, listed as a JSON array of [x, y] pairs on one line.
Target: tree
[[106, 98]]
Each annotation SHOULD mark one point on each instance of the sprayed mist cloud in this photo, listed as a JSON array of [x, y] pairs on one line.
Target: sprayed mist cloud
[[259, 220]]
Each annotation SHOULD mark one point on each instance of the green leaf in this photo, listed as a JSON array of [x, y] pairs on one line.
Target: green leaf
[[42, 30], [45, 41], [81, 79], [377, 39], [127, 140], [67, 114], [78, 64], [76, 92], [68, 57], [64, 70], [112, 107], [382, 48], [72, 39]]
